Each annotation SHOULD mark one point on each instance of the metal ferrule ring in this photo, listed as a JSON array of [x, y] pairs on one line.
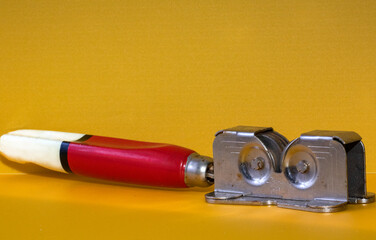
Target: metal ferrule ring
[[197, 170]]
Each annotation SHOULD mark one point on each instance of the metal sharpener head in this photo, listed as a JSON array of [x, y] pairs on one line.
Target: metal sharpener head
[[321, 171]]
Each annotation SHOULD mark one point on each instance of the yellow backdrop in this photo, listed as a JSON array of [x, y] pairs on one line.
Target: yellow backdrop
[[177, 72]]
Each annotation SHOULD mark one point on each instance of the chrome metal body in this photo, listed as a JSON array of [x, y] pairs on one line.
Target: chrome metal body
[[198, 171], [321, 171]]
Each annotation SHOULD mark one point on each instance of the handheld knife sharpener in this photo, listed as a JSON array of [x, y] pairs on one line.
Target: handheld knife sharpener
[[321, 171]]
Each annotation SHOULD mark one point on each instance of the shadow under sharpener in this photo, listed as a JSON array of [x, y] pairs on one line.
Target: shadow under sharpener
[[321, 171]]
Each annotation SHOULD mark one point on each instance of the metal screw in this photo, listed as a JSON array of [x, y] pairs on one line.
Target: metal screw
[[302, 166], [257, 163]]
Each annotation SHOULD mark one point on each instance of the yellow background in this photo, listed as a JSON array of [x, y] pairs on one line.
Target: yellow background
[[176, 72]]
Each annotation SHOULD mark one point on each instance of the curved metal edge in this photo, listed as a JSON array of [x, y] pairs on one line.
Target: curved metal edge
[[283, 155], [317, 209], [229, 198], [241, 128], [370, 198], [275, 143], [345, 137], [236, 199], [212, 196]]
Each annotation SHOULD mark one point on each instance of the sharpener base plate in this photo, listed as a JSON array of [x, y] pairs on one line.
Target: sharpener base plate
[[320, 206]]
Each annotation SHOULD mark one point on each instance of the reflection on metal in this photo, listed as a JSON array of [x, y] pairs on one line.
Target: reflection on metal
[[321, 171], [198, 171]]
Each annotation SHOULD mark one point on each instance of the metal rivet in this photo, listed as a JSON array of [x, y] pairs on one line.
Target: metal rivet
[[257, 163], [302, 166]]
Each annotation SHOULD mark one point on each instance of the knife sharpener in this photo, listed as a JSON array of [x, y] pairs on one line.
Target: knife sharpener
[[321, 171]]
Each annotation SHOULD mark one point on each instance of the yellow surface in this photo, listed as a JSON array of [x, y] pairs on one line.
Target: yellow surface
[[176, 72], [62, 207]]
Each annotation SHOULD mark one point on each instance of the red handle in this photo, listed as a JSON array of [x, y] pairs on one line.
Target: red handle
[[135, 162]]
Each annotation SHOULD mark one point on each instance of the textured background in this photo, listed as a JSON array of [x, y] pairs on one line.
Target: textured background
[[179, 71]]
